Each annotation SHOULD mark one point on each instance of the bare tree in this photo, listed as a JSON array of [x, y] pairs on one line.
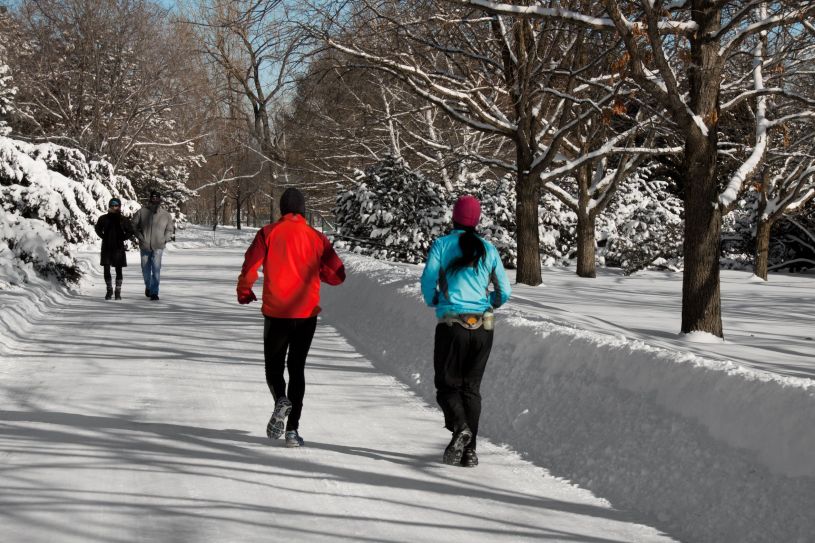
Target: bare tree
[[679, 53], [104, 76], [344, 117], [787, 185], [506, 76], [260, 50]]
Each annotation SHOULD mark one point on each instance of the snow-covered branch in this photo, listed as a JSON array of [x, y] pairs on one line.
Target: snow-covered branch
[[667, 26], [734, 185]]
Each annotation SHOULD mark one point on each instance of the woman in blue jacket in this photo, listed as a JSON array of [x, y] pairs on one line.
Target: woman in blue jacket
[[460, 267]]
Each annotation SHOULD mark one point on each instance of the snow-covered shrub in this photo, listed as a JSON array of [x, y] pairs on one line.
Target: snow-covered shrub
[[739, 233], [497, 224], [51, 197], [7, 89], [166, 172], [643, 227], [557, 228], [392, 212]]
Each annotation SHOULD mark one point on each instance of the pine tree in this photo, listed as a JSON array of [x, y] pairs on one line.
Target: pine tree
[[7, 89], [642, 227], [392, 213]]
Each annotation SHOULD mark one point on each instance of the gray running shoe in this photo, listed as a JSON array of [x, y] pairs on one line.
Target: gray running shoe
[[293, 439], [277, 424]]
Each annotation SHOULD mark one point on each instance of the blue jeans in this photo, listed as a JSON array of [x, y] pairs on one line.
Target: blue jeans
[[151, 269]]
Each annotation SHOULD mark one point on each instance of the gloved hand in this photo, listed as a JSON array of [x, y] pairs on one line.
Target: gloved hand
[[246, 297]]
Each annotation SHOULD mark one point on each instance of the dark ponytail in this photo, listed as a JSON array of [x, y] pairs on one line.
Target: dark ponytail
[[472, 250]]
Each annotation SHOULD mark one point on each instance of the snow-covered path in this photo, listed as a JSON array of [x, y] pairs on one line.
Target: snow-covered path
[[143, 421]]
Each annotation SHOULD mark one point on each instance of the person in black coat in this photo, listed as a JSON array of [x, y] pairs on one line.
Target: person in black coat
[[114, 229]]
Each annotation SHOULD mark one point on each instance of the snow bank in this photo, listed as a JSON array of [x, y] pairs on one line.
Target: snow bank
[[704, 449]]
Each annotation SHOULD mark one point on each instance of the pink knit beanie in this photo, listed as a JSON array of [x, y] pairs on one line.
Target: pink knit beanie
[[467, 211]]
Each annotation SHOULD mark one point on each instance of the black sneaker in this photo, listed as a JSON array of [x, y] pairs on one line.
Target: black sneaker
[[453, 452], [469, 459], [154, 297], [277, 424]]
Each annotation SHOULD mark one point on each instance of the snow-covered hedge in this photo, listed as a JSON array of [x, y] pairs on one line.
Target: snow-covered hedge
[[643, 226], [394, 213], [51, 197]]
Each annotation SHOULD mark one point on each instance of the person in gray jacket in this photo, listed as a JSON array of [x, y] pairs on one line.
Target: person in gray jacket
[[153, 227]]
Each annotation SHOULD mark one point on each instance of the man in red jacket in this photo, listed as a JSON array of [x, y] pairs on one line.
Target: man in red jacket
[[295, 259]]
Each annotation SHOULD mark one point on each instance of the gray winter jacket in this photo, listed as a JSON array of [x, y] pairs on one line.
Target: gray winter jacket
[[154, 227]]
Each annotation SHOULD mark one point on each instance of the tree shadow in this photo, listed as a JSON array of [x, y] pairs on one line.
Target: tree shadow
[[61, 440]]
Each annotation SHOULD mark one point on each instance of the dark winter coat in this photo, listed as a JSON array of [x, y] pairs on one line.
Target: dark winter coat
[[114, 229]]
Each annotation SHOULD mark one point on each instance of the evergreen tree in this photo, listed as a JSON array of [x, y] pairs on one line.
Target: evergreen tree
[[7, 89], [51, 197], [643, 227], [392, 212]]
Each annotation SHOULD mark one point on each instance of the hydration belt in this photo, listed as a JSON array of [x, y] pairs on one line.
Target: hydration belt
[[470, 321]]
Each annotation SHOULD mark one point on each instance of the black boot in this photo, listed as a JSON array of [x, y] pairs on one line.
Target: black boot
[[118, 292], [469, 459], [453, 452], [109, 293]]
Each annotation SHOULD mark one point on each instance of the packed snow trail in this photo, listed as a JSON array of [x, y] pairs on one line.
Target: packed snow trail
[[144, 421]]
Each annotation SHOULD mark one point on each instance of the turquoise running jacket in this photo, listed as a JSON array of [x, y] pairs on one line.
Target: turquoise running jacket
[[464, 291]]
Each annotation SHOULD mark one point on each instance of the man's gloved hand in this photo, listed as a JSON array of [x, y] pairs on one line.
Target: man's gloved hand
[[246, 297]]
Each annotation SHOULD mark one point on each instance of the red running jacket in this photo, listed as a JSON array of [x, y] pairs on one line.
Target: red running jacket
[[295, 258]]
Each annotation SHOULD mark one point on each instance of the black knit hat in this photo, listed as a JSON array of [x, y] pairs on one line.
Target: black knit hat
[[292, 201], [114, 202], [155, 194]]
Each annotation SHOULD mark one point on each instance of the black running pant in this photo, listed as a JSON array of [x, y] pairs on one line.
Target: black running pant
[[109, 279], [459, 359], [293, 336]]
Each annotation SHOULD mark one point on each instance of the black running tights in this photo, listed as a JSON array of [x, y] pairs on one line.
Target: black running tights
[[293, 336]]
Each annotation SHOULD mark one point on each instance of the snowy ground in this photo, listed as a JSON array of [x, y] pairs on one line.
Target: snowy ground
[[768, 326], [143, 421]]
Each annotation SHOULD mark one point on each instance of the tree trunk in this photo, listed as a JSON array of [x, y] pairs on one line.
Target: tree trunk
[[214, 210], [586, 251], [526, 220], [762, 247], [274, 211], [701, 298], [238, 213], [701, 302], [585, 227]]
